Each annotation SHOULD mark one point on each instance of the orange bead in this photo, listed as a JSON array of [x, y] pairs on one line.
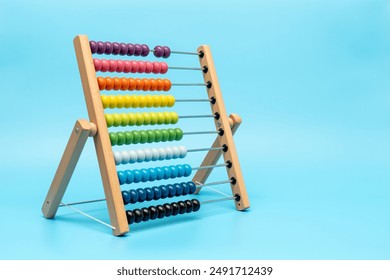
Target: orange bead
[[153, 84], [139, 84], [167, 84], [109, 83], [160, 84], [102, 83], [146, 84], [117, 84], [125, 84], [131, 84]]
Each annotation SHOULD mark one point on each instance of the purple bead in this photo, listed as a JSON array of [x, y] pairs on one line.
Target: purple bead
[[131, 49], [101, 47], [145, 50], [108, 48], [158, 51], [93, 46], [167, 52], [137, 50], [116, 48], [124, 49]]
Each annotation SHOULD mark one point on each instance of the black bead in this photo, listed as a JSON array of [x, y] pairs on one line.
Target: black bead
[[183, 207], [161, 211], [130, 217], [138, 215], [145, 214], [189, 206], [195, 205], [153, 212], [175, 208], [168, 209]]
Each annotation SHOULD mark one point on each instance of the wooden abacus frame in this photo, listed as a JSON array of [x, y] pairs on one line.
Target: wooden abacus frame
[[96, 127]]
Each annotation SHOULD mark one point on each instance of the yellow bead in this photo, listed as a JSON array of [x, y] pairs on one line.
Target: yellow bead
[[171, 100], [128, 100], [125, 119], [147, 118], [164, 101], [112, 101], [105, 101], [157, 101], [140, 118], [167, 117], [149, 101], [142, 101], [120, 102], [117, 119], [135, 101], [153, 118]]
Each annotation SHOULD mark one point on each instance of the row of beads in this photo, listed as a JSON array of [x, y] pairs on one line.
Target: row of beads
[[153, 174], [131, 119], [108, 83], [158, 192], [128, 49], [146, 155], [161, 211], [137, 101], [130, 66], [145, 136]]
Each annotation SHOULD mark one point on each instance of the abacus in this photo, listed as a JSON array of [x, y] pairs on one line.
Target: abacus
[[102, 118]]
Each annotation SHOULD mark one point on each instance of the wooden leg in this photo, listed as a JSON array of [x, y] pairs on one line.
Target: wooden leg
[[213, 156], [81, 131]]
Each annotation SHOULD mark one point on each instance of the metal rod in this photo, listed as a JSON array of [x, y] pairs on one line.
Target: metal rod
[[185, 68], [200, 132], [84, 202], [190, 53], [200, 185], [192, 100], [188, 84], [203, 149], [217, 200], [209, 166], [196, 116]]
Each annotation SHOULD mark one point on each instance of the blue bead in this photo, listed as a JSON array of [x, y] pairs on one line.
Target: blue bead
[[174, 171], [185, 187], [180, 170], [129, 176], [171, 190], [152, 174], [121, 177], [141, 195], [137, 176], [192, 187], [157, 193], [145, 175], [160, 173], [167, 172], [149, 194], [133, 196], [178, 188], [126, 197], [188, 170], [164, 191]]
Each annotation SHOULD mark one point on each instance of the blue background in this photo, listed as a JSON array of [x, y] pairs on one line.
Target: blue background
[[309, 78]]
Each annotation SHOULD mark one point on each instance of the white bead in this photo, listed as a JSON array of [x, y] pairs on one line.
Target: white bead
[[133, 156], [118, 158], [176, 152], [148, 154], [125, 157], [183, 151], [141, 155], [169, 152], [163, 153], [156, 154]]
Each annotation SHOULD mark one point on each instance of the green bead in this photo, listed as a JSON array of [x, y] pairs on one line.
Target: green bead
[[136, 136], [165, 135], [168, 118], [109, 120], [129, 137], [172, 134], [144, 137], [125, 119], [175, 117], [153, 118], [157, 135], [132, 119], [117, 119], [113, 138], [121, 138], [147, 118], [151, 136], [140, 119], [161, 118], [179, 134]]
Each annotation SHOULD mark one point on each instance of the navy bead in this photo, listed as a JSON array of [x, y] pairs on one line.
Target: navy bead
[[149, 194], [157, 193], [133, 196], [138, 215], [171, 190], [153, 212], [183, 207], [141, 195], [121, 177], [174, 171], [167, 172], [178, 188], [130, 217], [164, 191], [189, 206], [168, 209], [129, 176], [137, 176], [145, 214], [175, 208], [126, 197], [192, 187], [161, 211], [185, 188], [195, 205]]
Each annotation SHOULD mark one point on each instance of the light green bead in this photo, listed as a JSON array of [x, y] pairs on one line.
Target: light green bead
[[109, 120]]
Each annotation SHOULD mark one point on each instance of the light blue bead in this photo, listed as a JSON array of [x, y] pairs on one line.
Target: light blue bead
[[121, 177], [137, 176], [167, 172], [129, 176], [174, 171], [180, 170], [160, 173], [152, 174], [188, 170], [145, 175]]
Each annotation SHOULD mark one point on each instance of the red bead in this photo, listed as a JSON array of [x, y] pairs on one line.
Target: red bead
[[134, 66], [98, 64], [156, 67], [128, 66], [105, 65], [149, 67], [164, 67], [120, 66], [141, 67], [112, 64]]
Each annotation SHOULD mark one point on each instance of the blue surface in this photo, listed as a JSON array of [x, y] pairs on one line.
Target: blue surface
[[309, 78]]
